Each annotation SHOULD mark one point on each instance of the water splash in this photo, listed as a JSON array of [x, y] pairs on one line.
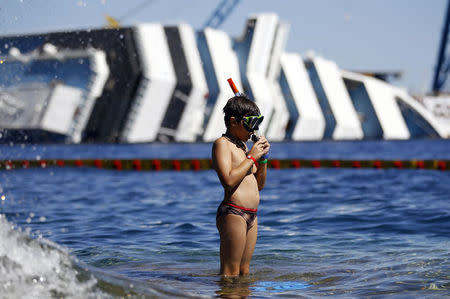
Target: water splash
[[39, 268]]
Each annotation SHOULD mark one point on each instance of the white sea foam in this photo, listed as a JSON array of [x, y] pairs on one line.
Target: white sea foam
[[347, 209], [39, 268]]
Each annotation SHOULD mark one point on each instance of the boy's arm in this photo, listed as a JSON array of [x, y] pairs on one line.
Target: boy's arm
[[229, 177], [260, 175]]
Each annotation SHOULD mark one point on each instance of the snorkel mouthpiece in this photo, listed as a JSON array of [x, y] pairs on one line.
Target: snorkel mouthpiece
[[255, 138]]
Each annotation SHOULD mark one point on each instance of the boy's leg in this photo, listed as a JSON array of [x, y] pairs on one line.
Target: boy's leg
[[249, 248], [233, 235]]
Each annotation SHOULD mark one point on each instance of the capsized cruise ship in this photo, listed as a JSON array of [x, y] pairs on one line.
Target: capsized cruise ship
[[158, 83]]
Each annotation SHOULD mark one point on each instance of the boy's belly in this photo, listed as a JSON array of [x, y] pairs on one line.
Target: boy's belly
[[247, 194]]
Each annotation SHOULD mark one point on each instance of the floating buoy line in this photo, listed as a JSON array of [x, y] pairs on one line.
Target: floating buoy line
[[205, 164]]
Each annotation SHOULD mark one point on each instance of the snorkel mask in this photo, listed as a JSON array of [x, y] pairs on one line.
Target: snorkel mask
[[252, 122]]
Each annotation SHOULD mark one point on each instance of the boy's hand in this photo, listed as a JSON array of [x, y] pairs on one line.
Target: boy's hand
[[260, 148]]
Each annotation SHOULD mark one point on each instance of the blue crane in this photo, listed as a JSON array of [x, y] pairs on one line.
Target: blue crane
[[443, 62], [222, 11]]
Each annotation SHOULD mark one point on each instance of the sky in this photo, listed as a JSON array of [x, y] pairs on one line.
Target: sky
[[359, 35]]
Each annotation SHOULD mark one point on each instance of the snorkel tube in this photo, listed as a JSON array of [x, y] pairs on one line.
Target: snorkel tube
[[236, 92], [233, 87]]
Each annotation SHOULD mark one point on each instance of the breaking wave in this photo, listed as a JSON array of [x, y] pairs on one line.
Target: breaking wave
[[39, 268]]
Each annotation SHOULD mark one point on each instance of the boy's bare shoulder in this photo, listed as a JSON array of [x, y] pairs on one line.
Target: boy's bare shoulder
[[221, 141], [220, 144]]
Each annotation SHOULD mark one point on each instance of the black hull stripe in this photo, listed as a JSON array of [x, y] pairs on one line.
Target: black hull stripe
[[183, 88]]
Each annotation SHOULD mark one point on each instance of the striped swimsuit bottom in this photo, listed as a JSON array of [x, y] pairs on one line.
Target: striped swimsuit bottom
[[249, 215]]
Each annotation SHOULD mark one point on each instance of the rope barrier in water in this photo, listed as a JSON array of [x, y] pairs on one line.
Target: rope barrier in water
[[205, 164]]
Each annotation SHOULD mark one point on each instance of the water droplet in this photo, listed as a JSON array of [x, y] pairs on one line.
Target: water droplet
[[42, 219]]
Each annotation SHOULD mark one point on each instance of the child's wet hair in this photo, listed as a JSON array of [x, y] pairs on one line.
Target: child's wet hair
[[239, 106]]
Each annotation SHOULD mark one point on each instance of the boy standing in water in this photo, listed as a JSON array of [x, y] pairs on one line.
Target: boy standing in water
[[242, 174]]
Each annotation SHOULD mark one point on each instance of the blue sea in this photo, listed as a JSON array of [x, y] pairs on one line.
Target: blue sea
[[341, 233]]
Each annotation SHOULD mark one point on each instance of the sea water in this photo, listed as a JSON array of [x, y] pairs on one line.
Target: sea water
[[346, 233]]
